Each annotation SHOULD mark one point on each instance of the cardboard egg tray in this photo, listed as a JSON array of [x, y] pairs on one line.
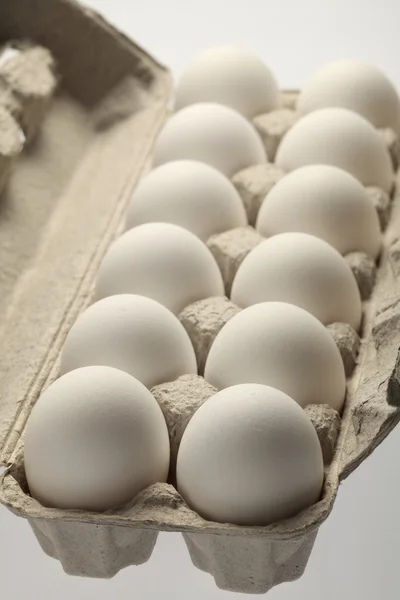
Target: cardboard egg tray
[[63, 206]]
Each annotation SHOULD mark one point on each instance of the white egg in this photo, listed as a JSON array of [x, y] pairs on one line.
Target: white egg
[[338, 137], [190, 194], [300, 269], [283, 346], [231, 76], [326, 202], [95, 438], [161, 261], [354, 85], [250, 456], [131, 333], [211, 133]]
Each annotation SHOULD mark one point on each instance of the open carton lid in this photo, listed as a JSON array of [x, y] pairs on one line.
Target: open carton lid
[[101, 128], [100, 69]]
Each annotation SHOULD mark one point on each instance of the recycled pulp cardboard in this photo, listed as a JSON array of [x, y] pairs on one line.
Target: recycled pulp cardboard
[[62, 208]]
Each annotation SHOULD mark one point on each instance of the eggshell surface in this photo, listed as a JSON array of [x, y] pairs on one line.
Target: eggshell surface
[[230, 76], [280, 345], [161, 261], [250, 456], [131, 333], [190, 194], [213, 134], [354, 85], [341, 138], [300, 269], [326, 202], [95, 438]]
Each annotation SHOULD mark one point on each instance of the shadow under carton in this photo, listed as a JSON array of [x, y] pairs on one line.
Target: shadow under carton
[[83, 168]]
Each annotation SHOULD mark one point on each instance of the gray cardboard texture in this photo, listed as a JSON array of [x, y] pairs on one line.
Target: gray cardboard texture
[[11, 144], [273, 126], [203, 320], [47, 280], [348, 342], [27, 84]]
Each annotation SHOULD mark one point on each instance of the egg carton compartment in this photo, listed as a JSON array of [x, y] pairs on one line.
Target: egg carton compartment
[[382, 203], [348, 343], [253, 184], [273, 126], [102, 550], [57, 284]]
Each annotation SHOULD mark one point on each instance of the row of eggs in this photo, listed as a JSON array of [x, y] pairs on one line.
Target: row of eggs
[[339, 109], [249, 455], [97, 437], [234, 77], [167, 263], [321, 200]]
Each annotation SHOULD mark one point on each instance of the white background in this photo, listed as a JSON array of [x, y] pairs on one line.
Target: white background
[[356, 556]]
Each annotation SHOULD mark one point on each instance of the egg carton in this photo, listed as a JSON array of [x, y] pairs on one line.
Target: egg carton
[[112, 103]]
